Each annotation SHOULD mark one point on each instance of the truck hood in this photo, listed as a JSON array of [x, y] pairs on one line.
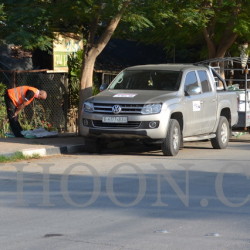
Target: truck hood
[[133, 96]]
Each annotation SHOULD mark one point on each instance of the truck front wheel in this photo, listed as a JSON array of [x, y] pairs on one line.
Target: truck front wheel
[[171, 144], [222, 134]]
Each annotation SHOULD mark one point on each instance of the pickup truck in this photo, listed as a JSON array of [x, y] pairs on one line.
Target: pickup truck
[[165, 103]]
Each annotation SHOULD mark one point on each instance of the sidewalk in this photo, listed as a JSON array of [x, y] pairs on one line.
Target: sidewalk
[[61, 144]]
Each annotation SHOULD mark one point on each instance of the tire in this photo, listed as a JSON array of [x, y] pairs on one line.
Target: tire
[[222, 134], [171, 144]]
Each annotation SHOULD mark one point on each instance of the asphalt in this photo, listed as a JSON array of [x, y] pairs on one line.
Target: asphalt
[[61, 144]]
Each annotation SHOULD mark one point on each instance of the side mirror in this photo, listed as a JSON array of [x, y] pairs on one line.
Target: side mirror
[[103, 86], [193, 90]]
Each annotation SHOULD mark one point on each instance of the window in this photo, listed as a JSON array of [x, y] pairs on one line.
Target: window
[[147, 80], [205, 84], [191, 82]]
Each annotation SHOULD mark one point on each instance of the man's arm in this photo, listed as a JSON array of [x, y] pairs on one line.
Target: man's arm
[[19, 108], [29, 95]]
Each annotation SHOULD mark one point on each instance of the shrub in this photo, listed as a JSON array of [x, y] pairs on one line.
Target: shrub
[[75, 65], [4, 125]]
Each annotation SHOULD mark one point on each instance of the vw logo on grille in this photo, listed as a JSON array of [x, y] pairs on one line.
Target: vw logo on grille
[[116, 109]]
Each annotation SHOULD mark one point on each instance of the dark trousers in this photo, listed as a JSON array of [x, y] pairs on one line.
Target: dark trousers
[[14, 123]]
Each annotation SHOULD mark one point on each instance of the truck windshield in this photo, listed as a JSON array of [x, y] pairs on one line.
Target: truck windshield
[[147, 80]]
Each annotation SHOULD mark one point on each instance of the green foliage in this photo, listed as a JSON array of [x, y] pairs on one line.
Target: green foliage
[[175, 24], [137, 22], [18, 156], [31, 23], [4, 126], [27, 24], [40, 118], [2, 14], [180, 23], [74, 65]]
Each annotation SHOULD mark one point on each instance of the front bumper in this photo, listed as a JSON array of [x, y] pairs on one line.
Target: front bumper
[[138, 126]]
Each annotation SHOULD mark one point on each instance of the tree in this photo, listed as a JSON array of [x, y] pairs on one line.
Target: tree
[[31, 23], [97, 21], [227, 21], [220, 23], [95, 44]]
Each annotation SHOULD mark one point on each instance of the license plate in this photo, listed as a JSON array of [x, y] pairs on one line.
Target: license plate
[[115, 119]]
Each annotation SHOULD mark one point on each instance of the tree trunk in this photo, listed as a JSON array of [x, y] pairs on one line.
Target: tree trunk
[[210, 44], [219, 50], [90, 59], [86, 82]]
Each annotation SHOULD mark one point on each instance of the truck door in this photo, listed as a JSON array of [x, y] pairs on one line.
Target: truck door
[[193, 116], [209, 102]]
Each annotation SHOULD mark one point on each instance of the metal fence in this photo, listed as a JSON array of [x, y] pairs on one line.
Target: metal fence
[[55, 108]]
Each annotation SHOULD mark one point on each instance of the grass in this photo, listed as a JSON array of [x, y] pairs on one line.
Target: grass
[[18, 156]]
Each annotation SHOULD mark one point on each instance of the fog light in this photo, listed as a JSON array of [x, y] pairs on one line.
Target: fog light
[[85, 122], [152, 124]]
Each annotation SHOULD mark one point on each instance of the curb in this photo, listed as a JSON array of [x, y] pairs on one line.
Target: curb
[[50, 151]]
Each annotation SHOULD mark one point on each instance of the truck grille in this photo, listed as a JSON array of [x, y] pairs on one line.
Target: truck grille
[[130, 124], [125, 108]]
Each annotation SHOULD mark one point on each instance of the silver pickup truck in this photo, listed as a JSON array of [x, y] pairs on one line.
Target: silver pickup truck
[[167, 103]]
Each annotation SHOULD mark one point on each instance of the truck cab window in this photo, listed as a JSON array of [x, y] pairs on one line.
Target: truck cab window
[[191, 82], [205, 84]]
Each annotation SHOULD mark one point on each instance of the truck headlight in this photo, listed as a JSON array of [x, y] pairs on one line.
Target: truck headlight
[[88, 107], [151, 109]]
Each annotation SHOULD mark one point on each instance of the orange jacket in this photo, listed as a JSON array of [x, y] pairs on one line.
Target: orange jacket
[[17, 95]]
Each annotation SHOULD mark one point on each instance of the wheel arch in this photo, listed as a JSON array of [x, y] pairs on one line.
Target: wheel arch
[[227, 113], [179, 117]]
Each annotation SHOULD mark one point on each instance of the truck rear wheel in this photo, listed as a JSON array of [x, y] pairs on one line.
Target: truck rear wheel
[[222, 134], [171, 144]]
